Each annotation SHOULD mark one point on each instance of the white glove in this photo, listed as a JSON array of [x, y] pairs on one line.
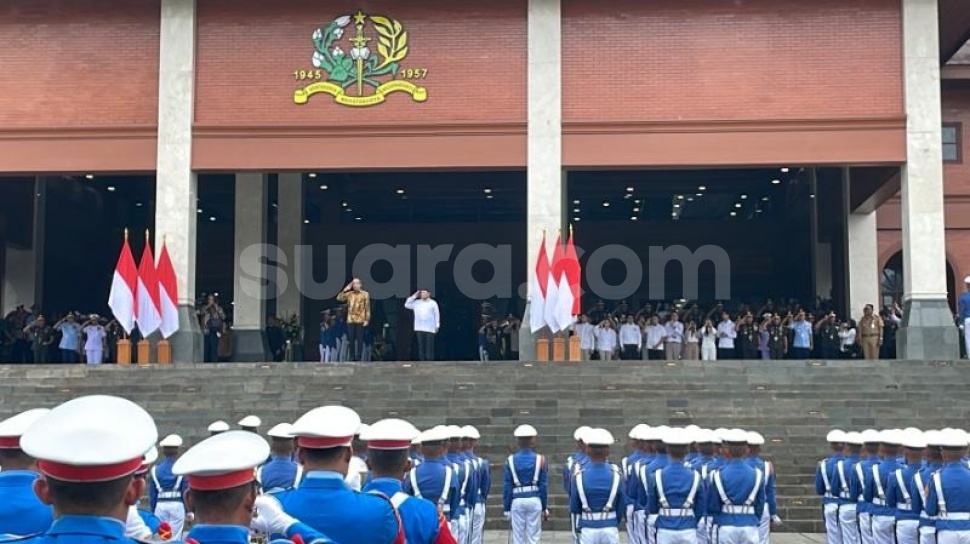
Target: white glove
[[190, 517], [270, 518], [776, 519], [506, 514]]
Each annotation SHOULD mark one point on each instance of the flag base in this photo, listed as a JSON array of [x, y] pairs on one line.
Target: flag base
[[144, 353], [124, 352], [542, 349], [559, 349], [163, 352], [575, 354]]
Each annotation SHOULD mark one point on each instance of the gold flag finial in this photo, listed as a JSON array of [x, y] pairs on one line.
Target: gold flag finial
[[126, 234], [148, 236]]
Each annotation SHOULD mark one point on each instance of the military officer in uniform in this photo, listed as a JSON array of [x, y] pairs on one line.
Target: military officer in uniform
[[748, 338], [777, 339], [829, 340], [280, 472], [388, 442], [435, 479], [825, 486], [597, 497], [21, 512], [737, 494], [870, 333], [323, 500], [217, 427], [847, 498], [677, 494], [876, 484], [770, 514], [525, 495], [901, 483], [166, 490], [949, 491]]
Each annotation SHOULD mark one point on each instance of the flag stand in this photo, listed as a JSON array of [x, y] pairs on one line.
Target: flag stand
[[164, 352], [124, 351], [575, 354], [559, 348], [144, 352], [542, 348]]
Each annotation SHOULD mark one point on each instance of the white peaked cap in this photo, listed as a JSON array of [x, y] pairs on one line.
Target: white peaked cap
[[735, 436], [854, 438], [678, 437], [470, 432], [525, 431], [223, 461], [435, 434], [707, 436], [578, 433], [89, 439], [932, 438], [281, 430], [326, 427], [914, 439], [650, 434], [598, 437], [891, 437], [250, 421], [150, 457], [218, 427], [363, 427], [952, 438], [835, 436], [640, 432], [692, 428], [390, 434], [870, 436], [171, 441], [12, 428], [720, 432], [454, 431], [755, 439], [966, 279]]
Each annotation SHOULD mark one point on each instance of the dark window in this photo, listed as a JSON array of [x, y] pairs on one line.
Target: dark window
[[952, 140]]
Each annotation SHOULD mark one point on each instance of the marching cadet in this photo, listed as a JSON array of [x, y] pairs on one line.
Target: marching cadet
[[223, 493], [638, 445], [460, 516], [357, 473], [323, 500], [870, 439], [901, 482], [415, 453], [597, 497], [250, 423], [89, 483], [471, 482], [646, 470], [388, 442], [693, 431], [484, 480], [825, 486], [737, 494], [576, 460], [21, 512], [677, 493], [166, 490], [770, 514], [280, 472], [848, 498], [876, 483], [635, 492], [141, 524], [218, 427], [707, 445], [921, 480], [435, 479], [949, 491], [525, 495]]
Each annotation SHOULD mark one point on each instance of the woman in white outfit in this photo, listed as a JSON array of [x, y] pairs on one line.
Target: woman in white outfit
[[708, 342]]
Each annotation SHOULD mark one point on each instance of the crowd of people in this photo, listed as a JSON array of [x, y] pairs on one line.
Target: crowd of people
[[29, 336]]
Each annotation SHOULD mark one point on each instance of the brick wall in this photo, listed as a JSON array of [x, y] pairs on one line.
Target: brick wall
[[674, 60], [74, 64]]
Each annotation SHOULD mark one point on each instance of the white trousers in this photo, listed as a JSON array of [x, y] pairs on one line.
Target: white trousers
[[830, 512], [708, 352], [603, 535], [883, 531], [907, 531], [764, 528], [478, 525], [865, 527], [669, 536], [704, 530], [927, 535], [651, 528], [966, 335], [135, 527], [95, 356], [526, 518], [172, 512], [631, 525], [737, 535], [849, 524], [953, 537]]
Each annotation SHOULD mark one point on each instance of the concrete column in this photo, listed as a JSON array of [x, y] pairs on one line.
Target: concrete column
[[928, 331], [544, 176], [290, 215], [23, 276], [249, 298], [175, 183], [863, 251]]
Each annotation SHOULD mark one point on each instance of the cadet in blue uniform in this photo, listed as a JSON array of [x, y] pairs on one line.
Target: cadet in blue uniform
[[483, 479], [901, 482], [707, 446], [877, 482], [415, 453], [677, 495], [280, 472], [470, 483], [949, 491], [825, 486], [217, 427], [870, 439], [21, 512], [645, 473], [737, 494], [323, 500], [388, 441], [770, 514], [575, 461], [143, 524], [434, 479], [459, 519], [628, 469], [597, 497], [847, 498], [166, 490], [920, 489], [525, 494]]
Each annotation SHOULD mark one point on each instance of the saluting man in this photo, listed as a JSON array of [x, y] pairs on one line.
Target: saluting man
[[825, 486], [280, 472], [434, 478], [165, 491], [737, 494], [525, 495], [677, 494], [21, 512], [597, 497]]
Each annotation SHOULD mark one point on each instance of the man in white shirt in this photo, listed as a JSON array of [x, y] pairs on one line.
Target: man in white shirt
[[630, 338], [427, 321], [587, 337], [726, 333], [674, 331], [606, 340], [653, 340]]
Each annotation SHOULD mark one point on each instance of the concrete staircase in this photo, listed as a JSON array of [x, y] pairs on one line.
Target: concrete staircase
[[793, 403]]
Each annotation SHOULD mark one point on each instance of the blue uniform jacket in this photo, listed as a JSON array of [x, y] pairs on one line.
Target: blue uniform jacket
[[458, 465], [430, 477], [826, 484], [419, 516], [160, 476], [842, 483], [629, 466], [597, 484], [859, 484], [574, 463], [484, 479], [885, 470], [646, 471], [151, 520], [770, 502], [472, 475], [677, 481], [279, 473], [235, 534], [738, 480], [83, 530], [324, 502], [900, 498], [919, 492], [525, 469], [954, 480], [21, 512]]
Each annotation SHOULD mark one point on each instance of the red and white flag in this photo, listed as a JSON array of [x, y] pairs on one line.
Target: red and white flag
[[168, 293], [539, 282], [568, 274], [553, 288], [148, 298], [574, 273], [122, 300]]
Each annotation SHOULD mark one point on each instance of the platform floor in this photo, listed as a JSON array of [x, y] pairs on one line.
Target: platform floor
[[564, 537]]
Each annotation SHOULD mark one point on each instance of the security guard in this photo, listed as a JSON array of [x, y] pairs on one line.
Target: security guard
[[920, 489], [847, 498], [525, 495], [949, 491], [166, 490], [877, 482], [677, 493], [825, 486], [434, 479], [870, 440], [770, 513], [323, 500], [597, 496], [217, 427], [737, 494], [280, 472], [898, 492], [483, 477], [21, 512]]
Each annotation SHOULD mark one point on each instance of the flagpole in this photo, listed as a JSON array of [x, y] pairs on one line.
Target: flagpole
[[124, 333]]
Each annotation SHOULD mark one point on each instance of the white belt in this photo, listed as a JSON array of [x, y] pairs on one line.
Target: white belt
[[597, 516], [845, 495], [879, 502], [924, 515], [904, 506], [170, 495], [954, 516], [677, 512], [525, 489], [733, 509]]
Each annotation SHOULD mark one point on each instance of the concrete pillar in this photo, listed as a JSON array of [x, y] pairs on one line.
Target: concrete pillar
[[23, 275], [864, 274], [544, 176], [176, 185], [248, 296], [928, 331], [290, 215]]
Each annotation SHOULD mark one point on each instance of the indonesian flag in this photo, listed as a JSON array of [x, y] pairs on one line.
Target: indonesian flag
[[540, 278], [121, 300], [149, 301], [168, 293], [566, 272], [553, 288], [574, 274]]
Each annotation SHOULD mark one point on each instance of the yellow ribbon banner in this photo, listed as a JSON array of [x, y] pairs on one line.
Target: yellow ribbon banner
[[419, 94]]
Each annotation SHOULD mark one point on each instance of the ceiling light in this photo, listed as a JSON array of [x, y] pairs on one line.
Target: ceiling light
[[212, 218], [324, 187], [636, 201], [627, 197], [634, 218], [399, 191], [199, 210], [734, 214], [138, 204], [629, 189], [111, 188], [348, 210], [784, 170], [673, 214], [636, 209], [488, 197], [702, 188], [700, 194], [575, 219], [680, 197], [765, 199], [576, 210], [344, 204], [775, 181], [811, 195], [690, 199], [676, 205], [738, 205], [313, 175], [358, 218], [488, 191], [89, 176], [575, 202], [757, 211], [744, 197], [306, 221], [606, 204]]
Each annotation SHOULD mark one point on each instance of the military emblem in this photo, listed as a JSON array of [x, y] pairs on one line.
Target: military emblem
[[346, 68]]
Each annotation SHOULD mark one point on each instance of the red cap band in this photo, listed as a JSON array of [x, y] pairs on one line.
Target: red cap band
[[389, 444], [10, 442], [93, 473], [221, 481], [324, 442]]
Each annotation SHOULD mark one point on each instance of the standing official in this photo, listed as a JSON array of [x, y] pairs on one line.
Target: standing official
[[166, 490], [949, 491], [358, 316], [737, 494], [677, 494], [727, 332], [427, 321], [630, 339], [597, 497], [587, 337], [280, 472], [525, 495], [673, 337], [825, 486], [870, 333], [21, 512], [877, 482], [434, 478], [847, 496]]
